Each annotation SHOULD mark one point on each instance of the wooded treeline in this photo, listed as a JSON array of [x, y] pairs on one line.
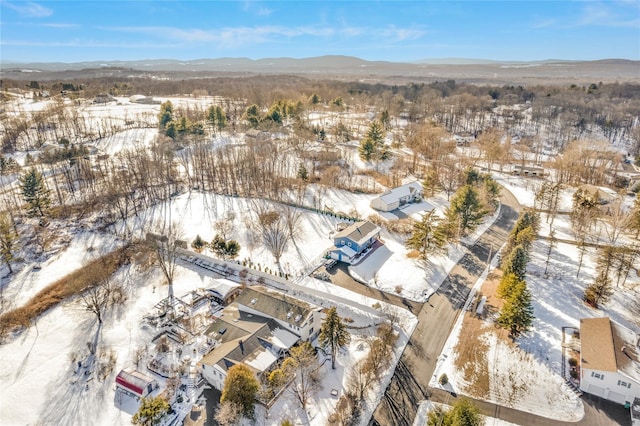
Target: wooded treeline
[[565, 113]]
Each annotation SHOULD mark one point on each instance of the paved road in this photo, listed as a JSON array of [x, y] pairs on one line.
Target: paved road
[[435, 320], [598, 412]]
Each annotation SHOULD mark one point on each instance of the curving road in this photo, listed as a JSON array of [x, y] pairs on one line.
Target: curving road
[[436, 318]]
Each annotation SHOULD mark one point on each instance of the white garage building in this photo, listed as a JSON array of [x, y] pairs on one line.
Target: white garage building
[[610, 365]]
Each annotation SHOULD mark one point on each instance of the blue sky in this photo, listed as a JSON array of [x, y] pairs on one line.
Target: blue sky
[[72, 31]]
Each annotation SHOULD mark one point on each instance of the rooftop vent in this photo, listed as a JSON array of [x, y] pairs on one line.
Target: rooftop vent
[[222, 330], [289, 314], [253, 301], [298, 318]]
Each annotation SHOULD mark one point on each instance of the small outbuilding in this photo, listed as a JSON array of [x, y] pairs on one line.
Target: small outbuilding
[[135, 382]]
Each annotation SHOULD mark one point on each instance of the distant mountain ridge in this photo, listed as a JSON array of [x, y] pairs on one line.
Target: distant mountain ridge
[[245, 64], [477, 71]]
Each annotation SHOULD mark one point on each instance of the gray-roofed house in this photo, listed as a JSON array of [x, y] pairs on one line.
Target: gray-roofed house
[[352, 241], [256, 330], [295, 315], [397, 197], [610, 365]]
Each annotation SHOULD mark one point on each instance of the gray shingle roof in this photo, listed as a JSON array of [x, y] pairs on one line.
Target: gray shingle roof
[[359, 232]]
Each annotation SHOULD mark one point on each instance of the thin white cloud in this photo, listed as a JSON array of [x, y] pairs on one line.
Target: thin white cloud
[[544, 23], [238, 36], [59, 25], [255, 8], [87, 44], [29, 9], [600, 14], [401, 34], [596, 14], [264, 11]]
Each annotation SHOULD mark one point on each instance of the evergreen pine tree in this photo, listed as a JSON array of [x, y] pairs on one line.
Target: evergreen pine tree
[[466, 208], [599, 291], [151, 411], [517, 313], [241, 387], [35, 193], [507, 284], [372, 146], [333, 334], [516, 262], [426, 237]]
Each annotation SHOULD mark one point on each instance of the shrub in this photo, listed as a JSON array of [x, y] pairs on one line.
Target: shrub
[[443, 380], [573, 362], [198, 244]]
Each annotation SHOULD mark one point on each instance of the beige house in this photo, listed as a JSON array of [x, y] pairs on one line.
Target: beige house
[[610, 366]]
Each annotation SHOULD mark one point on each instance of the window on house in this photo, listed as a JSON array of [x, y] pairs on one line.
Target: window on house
[[597, 375], [310, 331], [623, 384], [349, 243]]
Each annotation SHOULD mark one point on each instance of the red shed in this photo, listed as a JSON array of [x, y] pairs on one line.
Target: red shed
[[136, 382]]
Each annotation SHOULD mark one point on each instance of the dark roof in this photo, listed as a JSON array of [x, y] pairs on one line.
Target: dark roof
[[276, 304]]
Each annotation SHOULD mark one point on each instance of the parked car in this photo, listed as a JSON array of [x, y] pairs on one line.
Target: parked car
[[330, 263]]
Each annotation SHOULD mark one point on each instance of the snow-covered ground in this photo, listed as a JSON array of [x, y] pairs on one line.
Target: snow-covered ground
[[39, 381], [535, 362]]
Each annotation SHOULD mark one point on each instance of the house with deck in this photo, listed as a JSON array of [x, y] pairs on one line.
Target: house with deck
[[610, 365], [353, 241], [398, 197], [257, 330]]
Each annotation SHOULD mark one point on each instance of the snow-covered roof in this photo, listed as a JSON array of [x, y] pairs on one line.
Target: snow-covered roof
[[402, 191], [625, 343], [348, 251], [242, 337], [358, 232], [221, 286], [607, 346], [262, 360], [283, 338], [134, 381]]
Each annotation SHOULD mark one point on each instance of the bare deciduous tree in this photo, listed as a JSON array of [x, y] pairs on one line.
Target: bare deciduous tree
[[303, 365], [97, 299], [228, 413], [165, 249]]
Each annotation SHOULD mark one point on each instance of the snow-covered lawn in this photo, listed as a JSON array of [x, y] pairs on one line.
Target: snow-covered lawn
[[38, 380], [82, 248]]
